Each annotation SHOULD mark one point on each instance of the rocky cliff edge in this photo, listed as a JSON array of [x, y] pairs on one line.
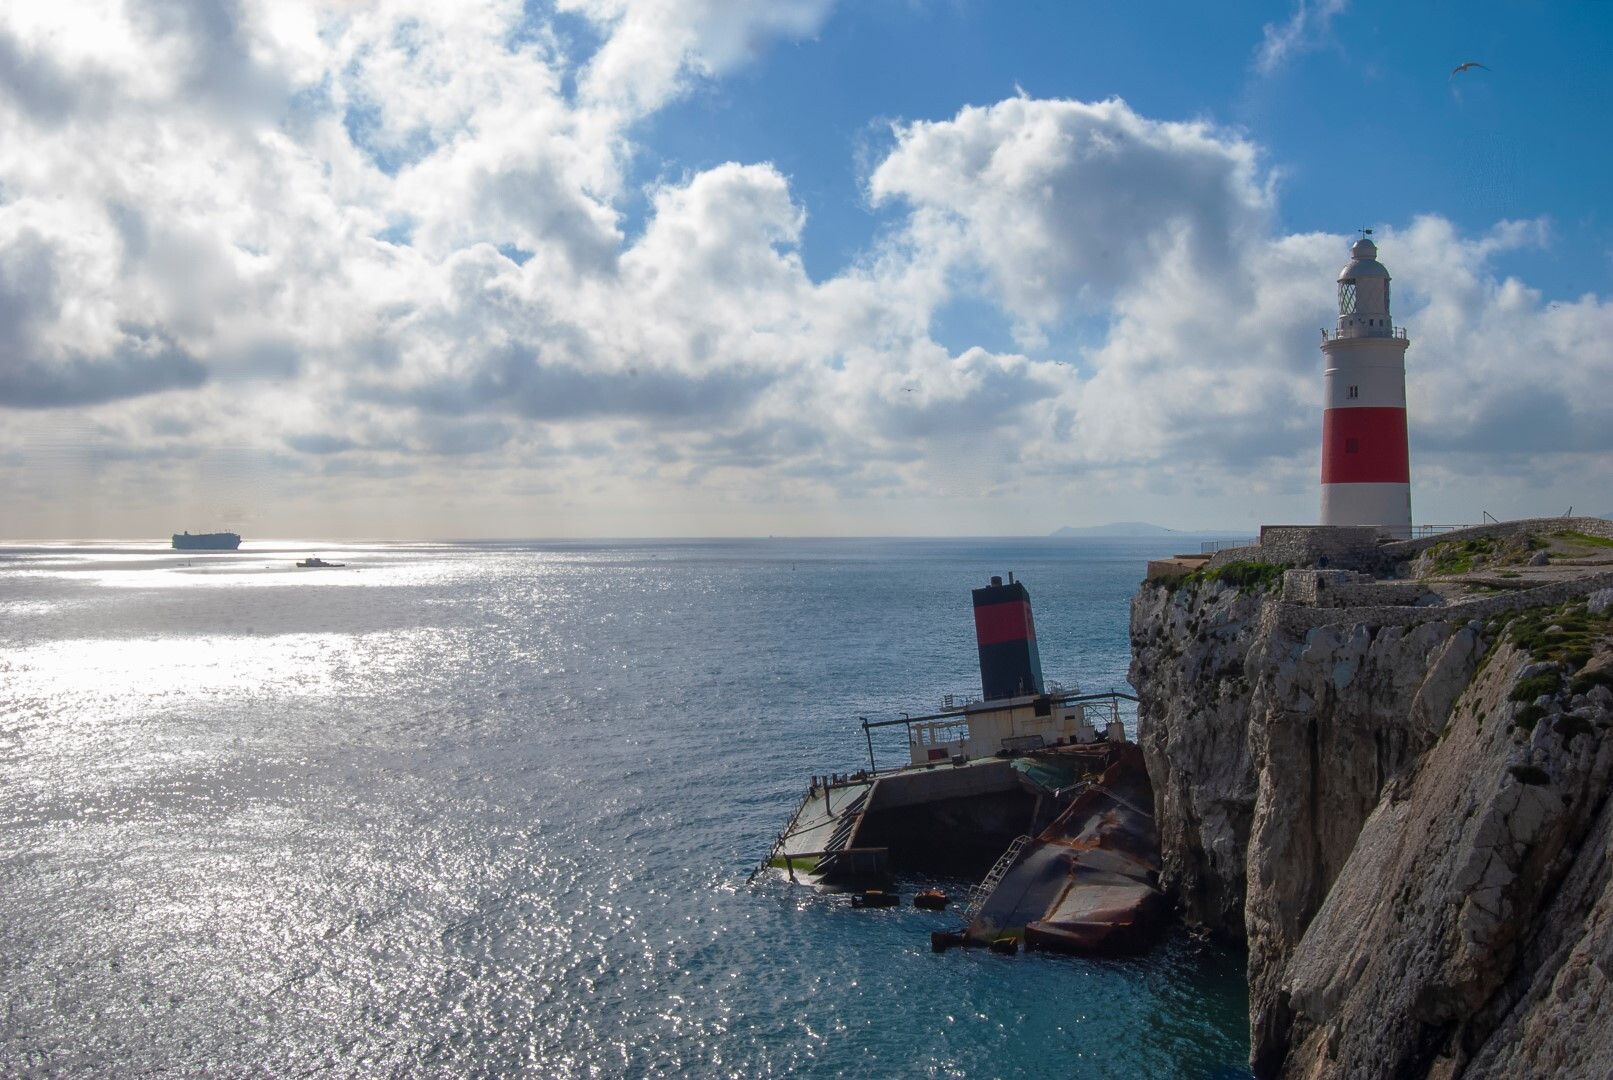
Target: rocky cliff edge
[[1402, 809]]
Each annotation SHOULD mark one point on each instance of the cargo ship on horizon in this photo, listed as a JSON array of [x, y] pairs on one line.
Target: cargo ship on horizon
[[219, 541]]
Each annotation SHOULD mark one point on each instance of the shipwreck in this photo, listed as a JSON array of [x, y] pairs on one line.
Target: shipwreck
[[1031, 792]]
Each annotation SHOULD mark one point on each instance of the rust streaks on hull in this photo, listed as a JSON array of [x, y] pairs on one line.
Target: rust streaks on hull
[[1089, 882]]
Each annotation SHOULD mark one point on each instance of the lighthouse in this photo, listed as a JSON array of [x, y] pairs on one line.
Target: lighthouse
[[1366, 471]]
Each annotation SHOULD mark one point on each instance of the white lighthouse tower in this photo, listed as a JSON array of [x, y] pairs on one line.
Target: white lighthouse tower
[[1366, 470]]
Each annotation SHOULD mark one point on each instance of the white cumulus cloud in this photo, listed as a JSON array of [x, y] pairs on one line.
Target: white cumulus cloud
[[377, 252]]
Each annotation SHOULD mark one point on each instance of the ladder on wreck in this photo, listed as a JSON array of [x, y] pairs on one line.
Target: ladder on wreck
[[840, 839], [993, 878]]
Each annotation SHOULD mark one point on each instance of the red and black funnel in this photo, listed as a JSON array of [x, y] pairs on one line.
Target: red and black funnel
[[1010, 666]]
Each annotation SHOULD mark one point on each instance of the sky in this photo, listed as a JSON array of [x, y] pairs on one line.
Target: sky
[[617, 268]]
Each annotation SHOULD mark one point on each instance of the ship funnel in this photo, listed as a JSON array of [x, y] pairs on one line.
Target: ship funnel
[[1010, 666]]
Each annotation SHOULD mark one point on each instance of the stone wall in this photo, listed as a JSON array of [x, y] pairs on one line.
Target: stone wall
[[1344, 546], [1348, 588]]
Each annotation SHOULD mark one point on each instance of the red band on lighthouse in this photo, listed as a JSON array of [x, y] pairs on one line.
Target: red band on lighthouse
[[1364, 446]]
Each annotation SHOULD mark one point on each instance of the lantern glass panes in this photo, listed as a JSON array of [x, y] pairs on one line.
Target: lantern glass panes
[[1347, 296]]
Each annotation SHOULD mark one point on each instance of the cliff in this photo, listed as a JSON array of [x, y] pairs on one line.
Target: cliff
[[1401, 806]]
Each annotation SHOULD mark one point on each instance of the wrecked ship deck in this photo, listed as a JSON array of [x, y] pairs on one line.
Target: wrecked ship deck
[[858, 828], [1089, 882], [1062, 841]]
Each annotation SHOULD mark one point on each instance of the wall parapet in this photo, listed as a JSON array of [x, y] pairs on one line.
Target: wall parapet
[[1343, 546], [1348, 588]]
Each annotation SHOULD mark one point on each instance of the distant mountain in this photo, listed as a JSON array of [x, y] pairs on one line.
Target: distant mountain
[[1115, 528]]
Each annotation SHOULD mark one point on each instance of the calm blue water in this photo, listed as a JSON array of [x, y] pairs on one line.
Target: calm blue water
[[487, 808]]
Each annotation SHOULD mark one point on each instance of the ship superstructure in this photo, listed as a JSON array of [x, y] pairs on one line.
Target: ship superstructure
[[1015, 712]]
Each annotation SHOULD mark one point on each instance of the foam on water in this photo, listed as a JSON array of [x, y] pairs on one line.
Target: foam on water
[[485, 807]]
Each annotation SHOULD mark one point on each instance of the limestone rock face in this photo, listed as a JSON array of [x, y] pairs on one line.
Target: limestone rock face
[[1445, 946], [1420, 865], [1189, 649], [1558, 1022], [1335, 721]]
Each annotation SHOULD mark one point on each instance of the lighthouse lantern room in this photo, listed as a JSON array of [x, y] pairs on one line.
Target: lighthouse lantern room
[[1366, 472]]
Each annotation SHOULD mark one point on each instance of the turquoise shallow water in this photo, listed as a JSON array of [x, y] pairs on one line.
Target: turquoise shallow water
[[486, 808]]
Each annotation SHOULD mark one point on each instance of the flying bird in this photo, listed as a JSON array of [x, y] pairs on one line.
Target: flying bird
[[1464, 65]]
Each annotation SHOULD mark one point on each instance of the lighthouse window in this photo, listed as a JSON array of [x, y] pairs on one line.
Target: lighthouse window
[[1347, 296], [1355, 391], [1352, 446]]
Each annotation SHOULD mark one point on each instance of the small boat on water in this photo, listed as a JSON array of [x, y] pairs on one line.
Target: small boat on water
[[314, 562]]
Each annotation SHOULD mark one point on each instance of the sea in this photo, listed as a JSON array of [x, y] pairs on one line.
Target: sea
[[496, 808]]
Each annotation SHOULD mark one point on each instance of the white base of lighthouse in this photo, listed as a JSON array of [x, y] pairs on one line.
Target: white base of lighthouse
[[1387, 506]]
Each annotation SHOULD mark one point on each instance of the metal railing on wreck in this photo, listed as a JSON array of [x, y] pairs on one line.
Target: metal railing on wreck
[[1112, 697], [963, 699]]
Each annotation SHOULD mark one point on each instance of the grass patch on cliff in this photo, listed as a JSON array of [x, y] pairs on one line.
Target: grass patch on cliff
[[1460, 556], [1584, 538], [1456, 556], [1567, 634], [1547, 682], [1526, 717], [1248, 575]]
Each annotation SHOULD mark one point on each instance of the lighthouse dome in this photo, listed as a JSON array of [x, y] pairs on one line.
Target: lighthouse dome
[[1363, 261], [1364, 294]]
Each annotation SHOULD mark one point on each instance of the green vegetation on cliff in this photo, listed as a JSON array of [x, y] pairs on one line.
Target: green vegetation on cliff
[[1463, 556], [1566, 634], [1456, 556], [1247, 575], [1585, 539], [1547, 682]]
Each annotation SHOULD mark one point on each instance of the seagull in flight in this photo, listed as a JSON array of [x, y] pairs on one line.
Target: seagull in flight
[[1464, 65]]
